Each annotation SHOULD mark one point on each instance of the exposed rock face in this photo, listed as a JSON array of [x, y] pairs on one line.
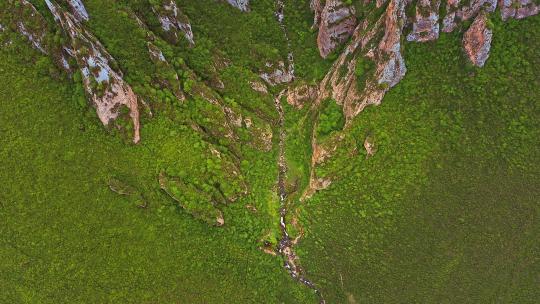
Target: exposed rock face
[[103, 84], [298, 96], [380, 45], [449, 23], [259, 87], [477, 41], [475, 6], [457, 12], [518, 9], [321, 152], [369, 145], [372, 62], [279, 74], [31, 24], [174, 22], [78, 10], [242, 5], [426, 23], [370, 65], [336, 23]]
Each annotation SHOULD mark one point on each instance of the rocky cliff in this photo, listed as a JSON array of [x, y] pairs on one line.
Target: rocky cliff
[[372, 62], [104, 85], [336, 22], [366, 38]]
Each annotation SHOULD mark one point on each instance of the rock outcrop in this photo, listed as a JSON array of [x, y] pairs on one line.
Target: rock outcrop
[[369, 145], [242, 5], [518, 9], [317, 8], [477, 41], [301, 94], [26, 20], [280, 74], [31, 24], [457, 11], [372, 62], [78, 10], [370, 65], [171, 82], [336, 22], [104, 85], [426, 23], [258, 87], [173, 22]]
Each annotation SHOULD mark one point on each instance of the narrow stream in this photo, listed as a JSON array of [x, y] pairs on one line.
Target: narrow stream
[[280, 15], [286, 244]]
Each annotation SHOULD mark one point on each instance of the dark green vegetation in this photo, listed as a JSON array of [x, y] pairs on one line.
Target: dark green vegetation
[[447, 209], [66, 238], [330, 118], [443, 212]]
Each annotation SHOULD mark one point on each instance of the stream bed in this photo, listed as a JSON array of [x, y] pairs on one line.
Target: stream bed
[[286, 244]]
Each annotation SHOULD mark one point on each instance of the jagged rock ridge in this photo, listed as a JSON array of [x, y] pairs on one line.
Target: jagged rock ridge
[[336, 22], [477, 41], [104, 85], [173, 22], [78, 10], [372, 63]]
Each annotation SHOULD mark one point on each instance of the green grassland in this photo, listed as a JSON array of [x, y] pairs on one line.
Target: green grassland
[[445, 211]]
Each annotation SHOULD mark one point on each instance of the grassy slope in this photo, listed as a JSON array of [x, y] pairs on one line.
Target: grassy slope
[[446, 211], [422, 221], [65, 238]]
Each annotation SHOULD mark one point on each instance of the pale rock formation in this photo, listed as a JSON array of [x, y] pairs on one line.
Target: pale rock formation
[[321, 152], [426, 23], [336, 23], [31, 24], [279, 74], [317, 8], [475, 6], [457, 12], [477, 41], [174, 22], [518, 9], [341, 81], [242, 5], [78, 10], [157, 57], [259, 87], [104, 85], [369, 145], [449, 21]]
